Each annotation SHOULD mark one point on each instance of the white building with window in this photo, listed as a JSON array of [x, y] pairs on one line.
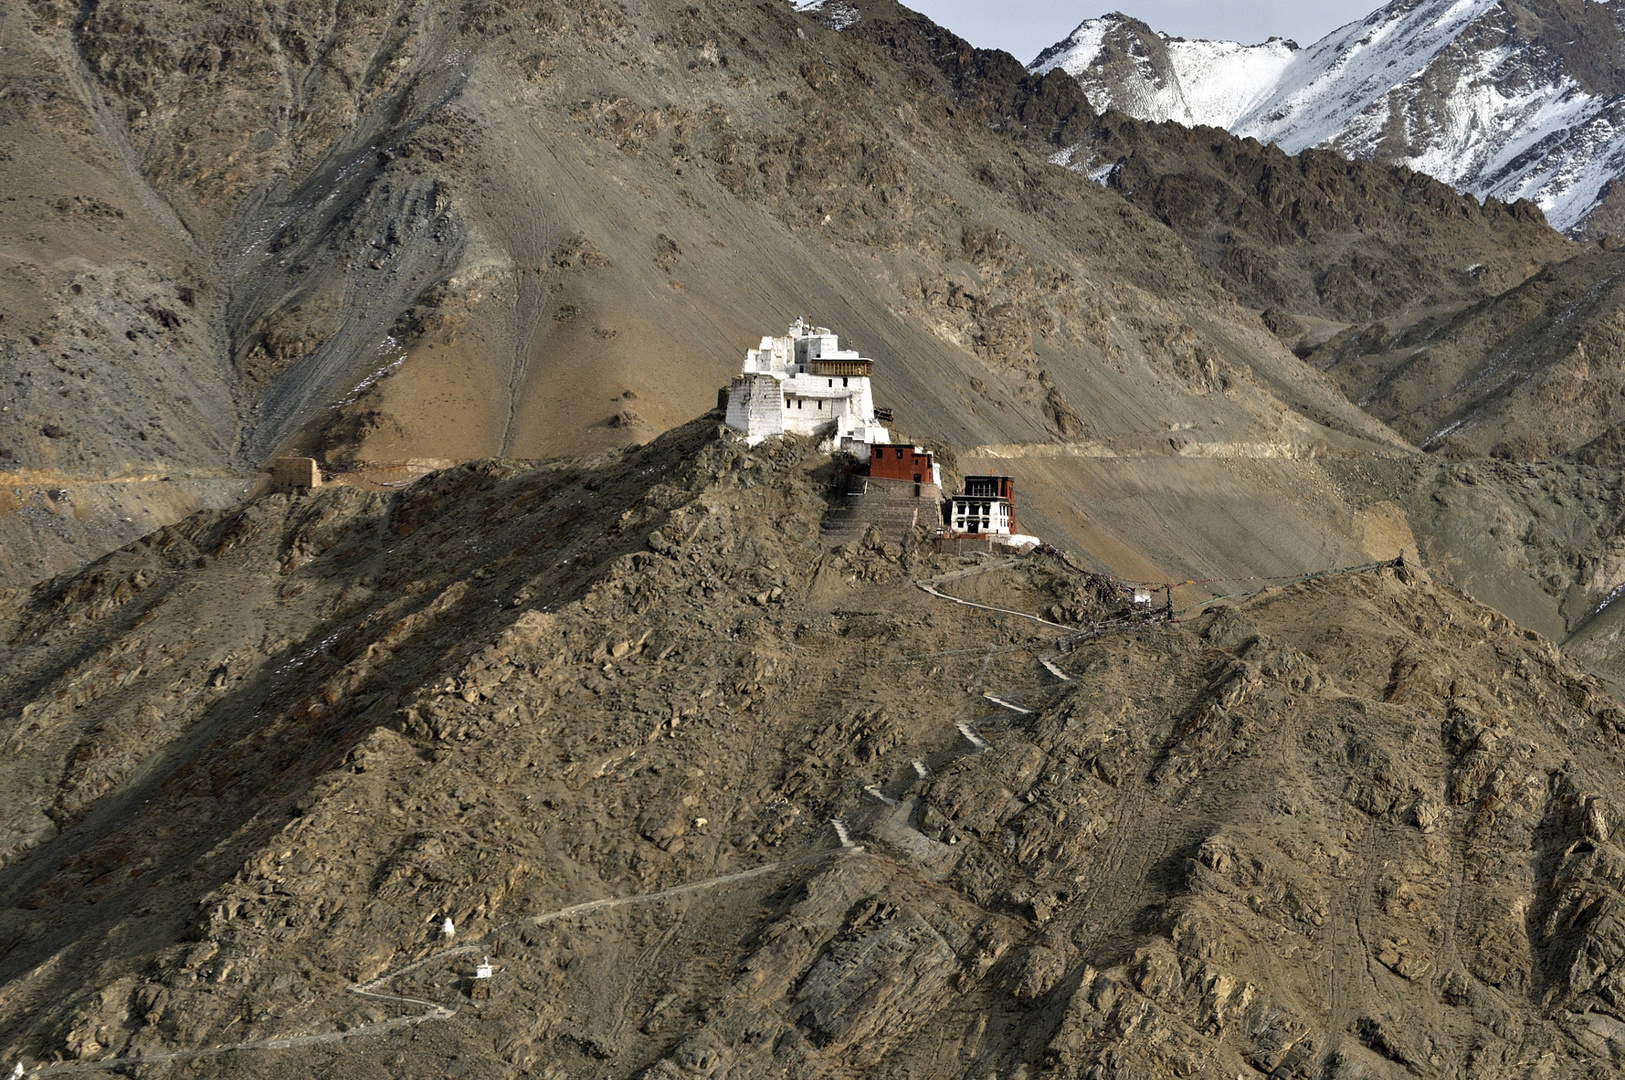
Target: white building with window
[[987, 508], [806, 384], [979, 516]]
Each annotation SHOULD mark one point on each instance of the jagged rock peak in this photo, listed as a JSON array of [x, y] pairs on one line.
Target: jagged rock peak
[[1125, 64], [1511, 101]]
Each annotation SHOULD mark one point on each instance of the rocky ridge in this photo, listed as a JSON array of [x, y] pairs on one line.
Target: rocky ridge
[[1312, 239], [1532, 374], [1356, 827], [1498, 99]]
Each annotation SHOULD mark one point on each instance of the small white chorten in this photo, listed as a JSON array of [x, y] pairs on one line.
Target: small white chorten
[[806, 384]]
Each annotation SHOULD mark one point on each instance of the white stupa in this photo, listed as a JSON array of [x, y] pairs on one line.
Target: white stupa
[[806, 384]]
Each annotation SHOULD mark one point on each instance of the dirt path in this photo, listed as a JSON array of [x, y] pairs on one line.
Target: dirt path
[[1448, 959], [42, 478], [1347, 965], [928, 587], [1120, 877], [432, 1010], [523, 230]]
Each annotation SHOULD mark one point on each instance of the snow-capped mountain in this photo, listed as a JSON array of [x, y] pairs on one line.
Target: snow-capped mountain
[[1123, 64], [1515, 100]]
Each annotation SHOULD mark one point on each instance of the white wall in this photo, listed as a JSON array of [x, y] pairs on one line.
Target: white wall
[[997, 517], [756, 407]]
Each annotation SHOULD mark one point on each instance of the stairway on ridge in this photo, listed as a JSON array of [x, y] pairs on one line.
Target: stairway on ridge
[[892, 506]]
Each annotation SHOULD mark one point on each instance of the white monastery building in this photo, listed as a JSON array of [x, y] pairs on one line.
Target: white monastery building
[[987, 506], [806, 384]]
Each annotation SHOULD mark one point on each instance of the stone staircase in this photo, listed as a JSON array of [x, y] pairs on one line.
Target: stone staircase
[[890, 505]]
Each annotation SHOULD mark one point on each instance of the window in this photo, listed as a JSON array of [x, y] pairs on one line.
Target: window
[[832, 382], [843, 381]]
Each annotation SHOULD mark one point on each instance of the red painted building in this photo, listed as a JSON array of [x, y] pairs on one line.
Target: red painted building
[[900, 461]]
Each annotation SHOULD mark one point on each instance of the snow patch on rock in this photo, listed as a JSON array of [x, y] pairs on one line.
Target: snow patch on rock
[[1451, 88], [836, 14], [1208, 82]]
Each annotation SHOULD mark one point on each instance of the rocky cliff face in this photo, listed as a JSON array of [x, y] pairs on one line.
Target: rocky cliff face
[[1531, 374], [1498, 99]]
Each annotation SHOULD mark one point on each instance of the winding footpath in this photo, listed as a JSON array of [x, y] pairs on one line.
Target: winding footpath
[[431, 1010]]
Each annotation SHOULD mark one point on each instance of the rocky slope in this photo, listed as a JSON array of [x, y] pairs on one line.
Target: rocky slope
[[713, 798], [1312, 239], [1498, 361], [1528, 375], [601, 713], [1512, 100], [1318, 242], [400, 235]]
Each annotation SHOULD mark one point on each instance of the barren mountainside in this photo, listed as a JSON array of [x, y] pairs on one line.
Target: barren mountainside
[[399, 237], [1311, 236], [1531, 374], [558, 735], [1357, 827], [397, 240]]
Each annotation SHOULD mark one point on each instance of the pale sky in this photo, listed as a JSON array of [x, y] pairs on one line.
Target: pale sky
[[1026, 27]]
